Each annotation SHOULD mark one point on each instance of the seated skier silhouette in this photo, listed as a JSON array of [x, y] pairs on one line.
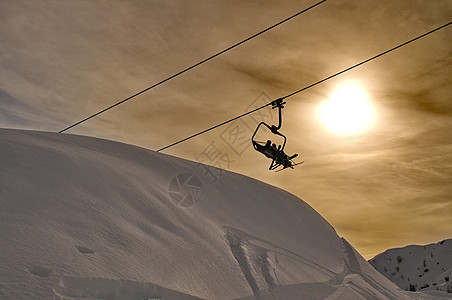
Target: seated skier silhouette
[[276, 153], [268, 149], [284, 159]]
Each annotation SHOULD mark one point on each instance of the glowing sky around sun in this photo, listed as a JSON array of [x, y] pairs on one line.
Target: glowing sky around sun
[[348, 110]]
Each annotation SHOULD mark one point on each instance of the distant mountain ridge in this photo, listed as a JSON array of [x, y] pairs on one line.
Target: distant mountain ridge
[[415, 268]]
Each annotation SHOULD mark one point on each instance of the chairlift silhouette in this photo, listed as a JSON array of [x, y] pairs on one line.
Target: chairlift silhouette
[[276, 154]]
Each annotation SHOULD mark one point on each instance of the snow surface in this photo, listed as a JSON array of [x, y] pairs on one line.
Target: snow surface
[[427, 268], [84, 218]]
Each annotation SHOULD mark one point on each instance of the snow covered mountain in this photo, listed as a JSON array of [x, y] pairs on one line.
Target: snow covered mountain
[[84, 218], [416, 268]]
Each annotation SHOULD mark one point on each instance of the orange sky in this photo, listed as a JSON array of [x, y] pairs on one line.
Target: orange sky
[[389, 186]]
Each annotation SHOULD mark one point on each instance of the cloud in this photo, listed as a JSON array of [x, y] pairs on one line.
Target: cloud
[[12, 112]]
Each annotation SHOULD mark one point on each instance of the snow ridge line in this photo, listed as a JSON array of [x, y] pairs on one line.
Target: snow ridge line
[[279, 250], [240, 257], [354, 267]]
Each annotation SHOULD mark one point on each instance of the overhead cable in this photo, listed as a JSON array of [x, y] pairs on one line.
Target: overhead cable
[[193, 66], [307, 87]]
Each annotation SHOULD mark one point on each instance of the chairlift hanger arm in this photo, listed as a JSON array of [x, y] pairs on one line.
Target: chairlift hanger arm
[[278, 103], [257, 129], [271, 129]]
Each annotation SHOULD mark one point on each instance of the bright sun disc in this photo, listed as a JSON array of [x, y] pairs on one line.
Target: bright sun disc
[[348, 110]]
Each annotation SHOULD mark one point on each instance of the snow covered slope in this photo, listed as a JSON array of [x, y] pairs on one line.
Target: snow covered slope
[[84, 218], [418, 267]]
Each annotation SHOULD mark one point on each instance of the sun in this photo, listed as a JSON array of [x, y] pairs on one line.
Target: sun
[[348, 111]]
